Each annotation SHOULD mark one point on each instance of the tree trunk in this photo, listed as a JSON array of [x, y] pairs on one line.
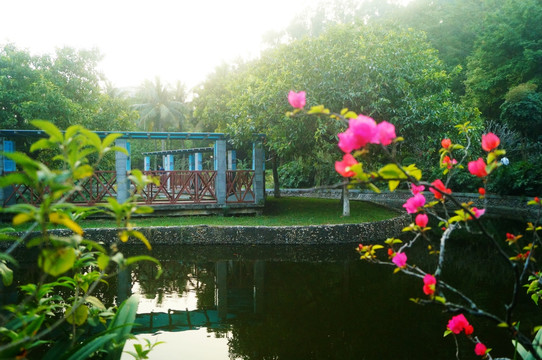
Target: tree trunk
[[346, 201], [276, 189]]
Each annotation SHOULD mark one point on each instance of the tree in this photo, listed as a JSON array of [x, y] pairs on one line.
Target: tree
[[507, 53], [158, 108], [387, 73], [64, 88]]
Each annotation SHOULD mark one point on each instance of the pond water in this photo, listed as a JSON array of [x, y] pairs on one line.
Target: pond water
[[306, 302]]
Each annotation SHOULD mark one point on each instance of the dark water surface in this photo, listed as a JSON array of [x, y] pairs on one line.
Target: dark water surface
[[308, 302]]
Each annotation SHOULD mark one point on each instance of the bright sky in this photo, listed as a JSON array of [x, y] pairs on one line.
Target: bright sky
[[173, 39]]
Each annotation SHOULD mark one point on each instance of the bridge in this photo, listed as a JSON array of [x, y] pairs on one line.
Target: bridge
[[193, 190]]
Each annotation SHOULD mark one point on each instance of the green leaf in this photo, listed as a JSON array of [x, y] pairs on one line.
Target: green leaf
[[91, 347], [57, 261], [95, 302], [103, 261], [6, 273], [50, 129], [391, 171], [393, 184], [78, 316]]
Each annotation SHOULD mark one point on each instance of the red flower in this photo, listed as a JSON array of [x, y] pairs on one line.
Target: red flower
[[429, 282], [449, 163], [482, 191], [422, 220], [480, 349], [478, 168], [446, 143], [343, 167], [438, 184], [459, 323], [490, 141]]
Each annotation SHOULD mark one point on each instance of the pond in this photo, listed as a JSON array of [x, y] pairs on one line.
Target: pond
[[306, 302]]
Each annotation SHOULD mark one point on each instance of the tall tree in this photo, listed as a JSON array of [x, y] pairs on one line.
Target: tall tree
[[507, 53], [158, 108]]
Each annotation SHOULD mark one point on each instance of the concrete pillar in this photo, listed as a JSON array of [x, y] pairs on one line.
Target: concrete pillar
[[147, 163], [121, 165], [258, 162], [169, 163], [232, 160], [198, 160], [191, 162], [6, 165], [220, 168]]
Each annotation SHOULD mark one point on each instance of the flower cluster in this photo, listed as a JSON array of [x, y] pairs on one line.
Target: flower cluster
[[458, 324], [429, 284]]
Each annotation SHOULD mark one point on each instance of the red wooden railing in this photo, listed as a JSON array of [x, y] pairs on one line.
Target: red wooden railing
[[239, 187], [181, 187], [176, 187]]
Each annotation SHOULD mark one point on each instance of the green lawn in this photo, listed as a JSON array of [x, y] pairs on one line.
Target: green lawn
[[278, 212]]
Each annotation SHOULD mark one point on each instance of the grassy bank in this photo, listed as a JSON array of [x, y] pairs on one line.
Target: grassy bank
[[277, 212]]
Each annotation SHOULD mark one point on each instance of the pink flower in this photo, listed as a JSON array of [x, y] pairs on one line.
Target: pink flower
[[459, 323], [416, 189], [490, 141], [400, 259], [480, 349], [297, 100], [478, 168], [365, 129], [429, 282], [438, 184], [414, 203], [343, 167], [446, 143], [348, 141], [422, 220], [449, 163], [386, 132], [477, 212]]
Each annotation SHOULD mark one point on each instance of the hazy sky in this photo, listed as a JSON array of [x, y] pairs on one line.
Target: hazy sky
[[173, 39]]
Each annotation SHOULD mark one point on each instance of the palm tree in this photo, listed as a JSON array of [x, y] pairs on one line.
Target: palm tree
[[159, 108]]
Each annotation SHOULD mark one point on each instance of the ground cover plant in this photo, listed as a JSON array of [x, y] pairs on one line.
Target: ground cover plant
[[284, 211]]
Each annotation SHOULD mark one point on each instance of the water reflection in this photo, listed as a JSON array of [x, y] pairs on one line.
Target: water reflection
[[296, 302]]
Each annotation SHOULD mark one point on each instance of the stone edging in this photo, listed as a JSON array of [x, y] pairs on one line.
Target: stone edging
[[258, 235], [514, 207]]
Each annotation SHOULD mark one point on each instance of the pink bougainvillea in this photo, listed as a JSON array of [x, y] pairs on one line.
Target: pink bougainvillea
[[343, 167], [459, 323], [414, 203], [478, 168], [385, 133], [422, 220], [477, 212], [429, 282], [490, 141], [480, 349], [416, 189], [448, 162], [400, 259], [297, 99]]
